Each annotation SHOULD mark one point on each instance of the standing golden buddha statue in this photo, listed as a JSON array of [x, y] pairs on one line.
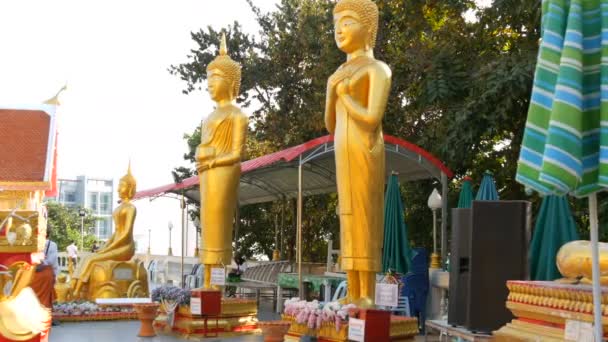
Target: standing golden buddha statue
[[357, 94], [218, 161]]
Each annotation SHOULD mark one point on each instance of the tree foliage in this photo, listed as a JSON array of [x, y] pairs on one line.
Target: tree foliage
[[65, 224], [461, 84]]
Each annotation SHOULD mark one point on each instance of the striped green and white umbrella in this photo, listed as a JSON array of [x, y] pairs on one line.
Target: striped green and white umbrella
[[565, 145]]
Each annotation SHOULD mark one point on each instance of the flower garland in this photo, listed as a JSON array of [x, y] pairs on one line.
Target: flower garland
[[85, 308], [171, 293], [313, 314]]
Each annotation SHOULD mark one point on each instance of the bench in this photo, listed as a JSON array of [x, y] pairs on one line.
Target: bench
[[122, 301], [263, 277]]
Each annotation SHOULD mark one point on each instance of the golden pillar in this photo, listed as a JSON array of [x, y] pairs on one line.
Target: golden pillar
[[218, 161], [357, 94]]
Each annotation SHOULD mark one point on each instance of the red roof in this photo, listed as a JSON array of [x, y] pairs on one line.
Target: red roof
[[290, 154], [25, 158]]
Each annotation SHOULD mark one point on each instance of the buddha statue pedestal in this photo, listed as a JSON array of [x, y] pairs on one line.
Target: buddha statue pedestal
[[237, 317], [116, 279], [542, 309]]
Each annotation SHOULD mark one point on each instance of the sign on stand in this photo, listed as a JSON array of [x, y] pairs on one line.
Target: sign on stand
[[195, 306], [578, 331], [356, 329], [387, 294], [218, 276]]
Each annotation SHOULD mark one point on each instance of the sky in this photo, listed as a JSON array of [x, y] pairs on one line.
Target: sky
[[121, 103]]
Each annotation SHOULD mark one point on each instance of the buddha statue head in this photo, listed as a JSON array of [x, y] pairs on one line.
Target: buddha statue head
[[356, 25], [127, 185], [223, 76]]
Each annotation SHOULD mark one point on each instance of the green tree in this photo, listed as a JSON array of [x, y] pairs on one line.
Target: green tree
[[460, 89], [65, 224]]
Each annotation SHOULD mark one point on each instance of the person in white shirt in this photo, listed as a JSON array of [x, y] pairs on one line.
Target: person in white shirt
[[51, 256], [72, 253]]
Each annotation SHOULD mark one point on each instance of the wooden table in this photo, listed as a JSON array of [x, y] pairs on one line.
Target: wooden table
[[446, 331]]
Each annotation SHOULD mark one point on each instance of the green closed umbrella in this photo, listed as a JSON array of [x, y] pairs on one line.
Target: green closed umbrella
[[487, 188], [554, 227], [396, 252], [565, 144], [465, 199]]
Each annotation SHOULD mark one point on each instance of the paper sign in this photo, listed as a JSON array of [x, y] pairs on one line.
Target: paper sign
[[572, 329], [218, 276], [195, 306], [171, 319], [387, 294], [356, 329], [585, 333]]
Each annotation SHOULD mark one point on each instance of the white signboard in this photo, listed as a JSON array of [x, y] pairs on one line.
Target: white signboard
[[578, 331], [572, 330], [585, 334], [195, 306], [387, 294], [171, 318], [123, 274], [218, 276], [356, 329]]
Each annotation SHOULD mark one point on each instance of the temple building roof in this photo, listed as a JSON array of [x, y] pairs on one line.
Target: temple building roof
[[27, 137]]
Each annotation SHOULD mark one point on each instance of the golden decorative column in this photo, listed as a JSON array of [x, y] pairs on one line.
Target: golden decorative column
[[218, 161], [357, 94]]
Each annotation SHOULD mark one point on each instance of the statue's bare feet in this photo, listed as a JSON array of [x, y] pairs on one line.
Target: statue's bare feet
[[568, 280], [344, 300], [364, 303]]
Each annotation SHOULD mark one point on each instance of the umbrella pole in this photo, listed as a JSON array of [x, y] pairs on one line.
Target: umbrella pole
[[299, 232], [597, 295]]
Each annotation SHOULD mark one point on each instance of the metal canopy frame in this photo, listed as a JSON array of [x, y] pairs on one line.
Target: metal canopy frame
[[309, 169]]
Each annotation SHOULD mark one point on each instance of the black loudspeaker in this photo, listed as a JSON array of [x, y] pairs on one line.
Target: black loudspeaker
[[459, 266], [499, 239]]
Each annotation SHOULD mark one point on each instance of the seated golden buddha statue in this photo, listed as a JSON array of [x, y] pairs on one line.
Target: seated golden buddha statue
[[574, 262], [109, 273], [218, 161]]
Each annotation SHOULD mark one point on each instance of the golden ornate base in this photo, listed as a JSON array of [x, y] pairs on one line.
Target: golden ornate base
[[239, 316], [401, 329], [542, 308], [116, 279], [435, 261]]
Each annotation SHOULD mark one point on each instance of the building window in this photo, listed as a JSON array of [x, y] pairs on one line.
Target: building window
[[70, 197], [106, 204], [105, 228], [93, 201]]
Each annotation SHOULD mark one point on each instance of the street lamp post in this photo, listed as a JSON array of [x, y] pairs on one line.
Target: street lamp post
[[82, 213], [434, 203], [170, 252], [149, 239], [197, 224]]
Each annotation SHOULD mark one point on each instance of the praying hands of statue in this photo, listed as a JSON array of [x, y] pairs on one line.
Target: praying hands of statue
[[204, 158], [203, 166], [343, 88]]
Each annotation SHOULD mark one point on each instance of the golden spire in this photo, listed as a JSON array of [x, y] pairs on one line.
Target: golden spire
[[223, 48], [55, 99], [129, 177]]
